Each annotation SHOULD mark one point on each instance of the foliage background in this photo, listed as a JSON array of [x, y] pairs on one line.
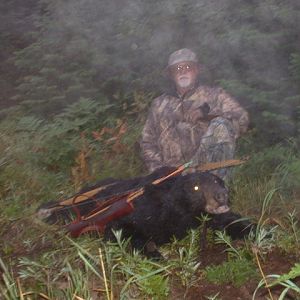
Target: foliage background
[[76, 80], [57, 52]]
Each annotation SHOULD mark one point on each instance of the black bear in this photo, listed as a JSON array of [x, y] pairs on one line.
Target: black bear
[[173, 207], [169, 209]]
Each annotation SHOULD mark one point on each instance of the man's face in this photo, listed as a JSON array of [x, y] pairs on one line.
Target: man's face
[[184, 74]]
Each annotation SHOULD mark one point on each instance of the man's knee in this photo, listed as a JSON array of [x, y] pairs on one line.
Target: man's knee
[[217, 144], [221, 130]]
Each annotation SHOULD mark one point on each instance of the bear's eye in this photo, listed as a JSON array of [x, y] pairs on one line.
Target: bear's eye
[[196, 188]]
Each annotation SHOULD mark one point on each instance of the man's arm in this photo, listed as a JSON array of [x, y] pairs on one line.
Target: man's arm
[[149, 141]]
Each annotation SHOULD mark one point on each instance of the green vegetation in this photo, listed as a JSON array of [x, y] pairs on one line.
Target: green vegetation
[[283, 280], [77, 79], [236, 272], [43, 160], [39, 260]]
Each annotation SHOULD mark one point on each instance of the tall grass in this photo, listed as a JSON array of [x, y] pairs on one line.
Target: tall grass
[[47, 160]]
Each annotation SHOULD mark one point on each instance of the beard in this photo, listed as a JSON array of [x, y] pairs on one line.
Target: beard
[[184, 82]]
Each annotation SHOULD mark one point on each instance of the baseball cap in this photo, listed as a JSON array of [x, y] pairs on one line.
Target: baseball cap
[[182, 55]]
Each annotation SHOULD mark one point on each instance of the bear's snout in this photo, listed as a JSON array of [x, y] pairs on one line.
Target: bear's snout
[[222, 197]]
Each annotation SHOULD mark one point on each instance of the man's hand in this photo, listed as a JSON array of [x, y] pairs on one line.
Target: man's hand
[[194, 116], [198, 113]]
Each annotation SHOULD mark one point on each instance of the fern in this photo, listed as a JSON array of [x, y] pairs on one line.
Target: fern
[[29, 124]]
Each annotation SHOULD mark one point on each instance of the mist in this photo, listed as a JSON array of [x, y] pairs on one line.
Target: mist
[[86, 49]]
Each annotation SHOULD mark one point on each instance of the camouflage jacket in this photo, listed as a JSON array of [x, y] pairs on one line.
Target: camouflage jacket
[[169, 138]]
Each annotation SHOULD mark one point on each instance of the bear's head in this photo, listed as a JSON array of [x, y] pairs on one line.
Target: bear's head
[[206, 192]]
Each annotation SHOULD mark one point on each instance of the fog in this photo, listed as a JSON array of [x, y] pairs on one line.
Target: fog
[[136, 34], [76, 48]]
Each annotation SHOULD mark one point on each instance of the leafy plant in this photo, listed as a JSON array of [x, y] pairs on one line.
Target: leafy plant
[[284, 280], [288, 237], [235, 272], [222, 238], [186, 261], [215, 297], [294, 222], [78, 283], [9, 286]]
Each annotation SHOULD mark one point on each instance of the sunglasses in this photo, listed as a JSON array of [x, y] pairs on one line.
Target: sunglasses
[[182, 68]]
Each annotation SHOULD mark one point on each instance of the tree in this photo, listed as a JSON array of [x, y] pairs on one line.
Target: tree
[[90, 49]]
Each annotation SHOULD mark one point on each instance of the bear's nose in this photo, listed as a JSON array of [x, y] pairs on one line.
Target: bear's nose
[[222, 198]]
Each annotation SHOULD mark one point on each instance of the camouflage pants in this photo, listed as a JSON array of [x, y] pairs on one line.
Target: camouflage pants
[[217, 144]]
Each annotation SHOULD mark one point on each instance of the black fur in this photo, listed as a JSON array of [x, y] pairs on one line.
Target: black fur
[[173, 207], [168, 209]]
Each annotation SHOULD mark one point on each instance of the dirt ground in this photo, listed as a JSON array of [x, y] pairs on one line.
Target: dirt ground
[[275, 262]]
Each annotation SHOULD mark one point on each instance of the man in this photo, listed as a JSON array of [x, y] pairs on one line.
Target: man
[[197, 123]]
